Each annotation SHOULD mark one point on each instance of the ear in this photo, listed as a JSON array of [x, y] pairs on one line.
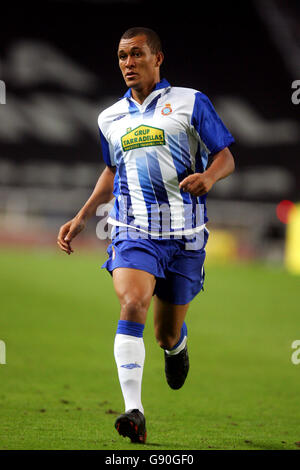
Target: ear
[[159, 59]]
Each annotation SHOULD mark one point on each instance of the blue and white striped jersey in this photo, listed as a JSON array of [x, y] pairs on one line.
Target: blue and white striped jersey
[[154, 146]]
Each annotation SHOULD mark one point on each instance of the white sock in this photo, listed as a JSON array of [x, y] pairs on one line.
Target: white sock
[[129, 354]]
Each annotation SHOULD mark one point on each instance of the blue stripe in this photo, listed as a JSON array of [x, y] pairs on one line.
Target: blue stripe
[[148, 114], [191, 219], [203, 201], [114, 213], [149, 111], [184, 147], [209, 126], [156, 178], [148, 193], [200, 160], [163, 217], [116, 190], [131, 328], [144, 178], [124, 200], [133, 109], [118, 153], [180, 162], [105, 150]]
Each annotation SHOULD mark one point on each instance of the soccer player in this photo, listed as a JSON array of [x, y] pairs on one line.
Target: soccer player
[[156, 141]]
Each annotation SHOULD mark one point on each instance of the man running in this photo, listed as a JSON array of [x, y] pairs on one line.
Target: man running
[[156, 141]]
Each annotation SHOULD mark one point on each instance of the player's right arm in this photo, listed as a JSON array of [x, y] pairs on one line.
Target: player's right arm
[[102, 194]]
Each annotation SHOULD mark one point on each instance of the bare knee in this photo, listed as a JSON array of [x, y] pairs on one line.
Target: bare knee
[[133, 308]]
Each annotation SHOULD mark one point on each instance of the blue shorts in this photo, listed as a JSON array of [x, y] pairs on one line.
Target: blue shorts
[[177, 266]]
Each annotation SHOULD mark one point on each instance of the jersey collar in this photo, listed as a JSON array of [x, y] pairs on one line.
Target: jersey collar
[[162, 84]]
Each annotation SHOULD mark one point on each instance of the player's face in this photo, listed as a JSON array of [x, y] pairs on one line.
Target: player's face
[[139, 66]]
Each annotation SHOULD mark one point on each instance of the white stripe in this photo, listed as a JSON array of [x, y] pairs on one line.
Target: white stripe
[[139, 208], [169, 173], [183, 232], [179, 348]]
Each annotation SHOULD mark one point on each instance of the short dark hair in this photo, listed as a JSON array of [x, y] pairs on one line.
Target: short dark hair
[[153, 40]]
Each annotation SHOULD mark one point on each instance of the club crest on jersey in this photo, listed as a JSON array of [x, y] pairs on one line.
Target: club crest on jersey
[[142, 136], [166, 109]]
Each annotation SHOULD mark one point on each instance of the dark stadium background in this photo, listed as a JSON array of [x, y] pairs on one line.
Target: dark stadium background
[[58, 61]]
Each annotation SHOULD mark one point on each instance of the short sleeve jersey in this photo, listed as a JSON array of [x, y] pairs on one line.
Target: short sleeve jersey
[[154, 146]]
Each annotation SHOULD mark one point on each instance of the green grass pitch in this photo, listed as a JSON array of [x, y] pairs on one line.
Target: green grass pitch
[[59, 387]]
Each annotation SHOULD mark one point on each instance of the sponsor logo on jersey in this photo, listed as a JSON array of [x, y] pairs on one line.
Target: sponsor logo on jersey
[[142, 136], [166, 110]]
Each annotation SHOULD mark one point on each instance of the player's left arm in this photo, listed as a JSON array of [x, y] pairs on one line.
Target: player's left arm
[[199, 184]]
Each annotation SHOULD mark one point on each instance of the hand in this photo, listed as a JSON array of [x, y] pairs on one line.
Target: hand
[[69, 231], [197, 184]]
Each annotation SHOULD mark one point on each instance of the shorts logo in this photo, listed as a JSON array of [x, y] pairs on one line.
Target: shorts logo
[[142, 136], [113, 253], [166, 110]]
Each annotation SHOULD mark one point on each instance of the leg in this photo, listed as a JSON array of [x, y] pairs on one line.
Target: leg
[[168, 321], [171, 335], [134, 289]]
